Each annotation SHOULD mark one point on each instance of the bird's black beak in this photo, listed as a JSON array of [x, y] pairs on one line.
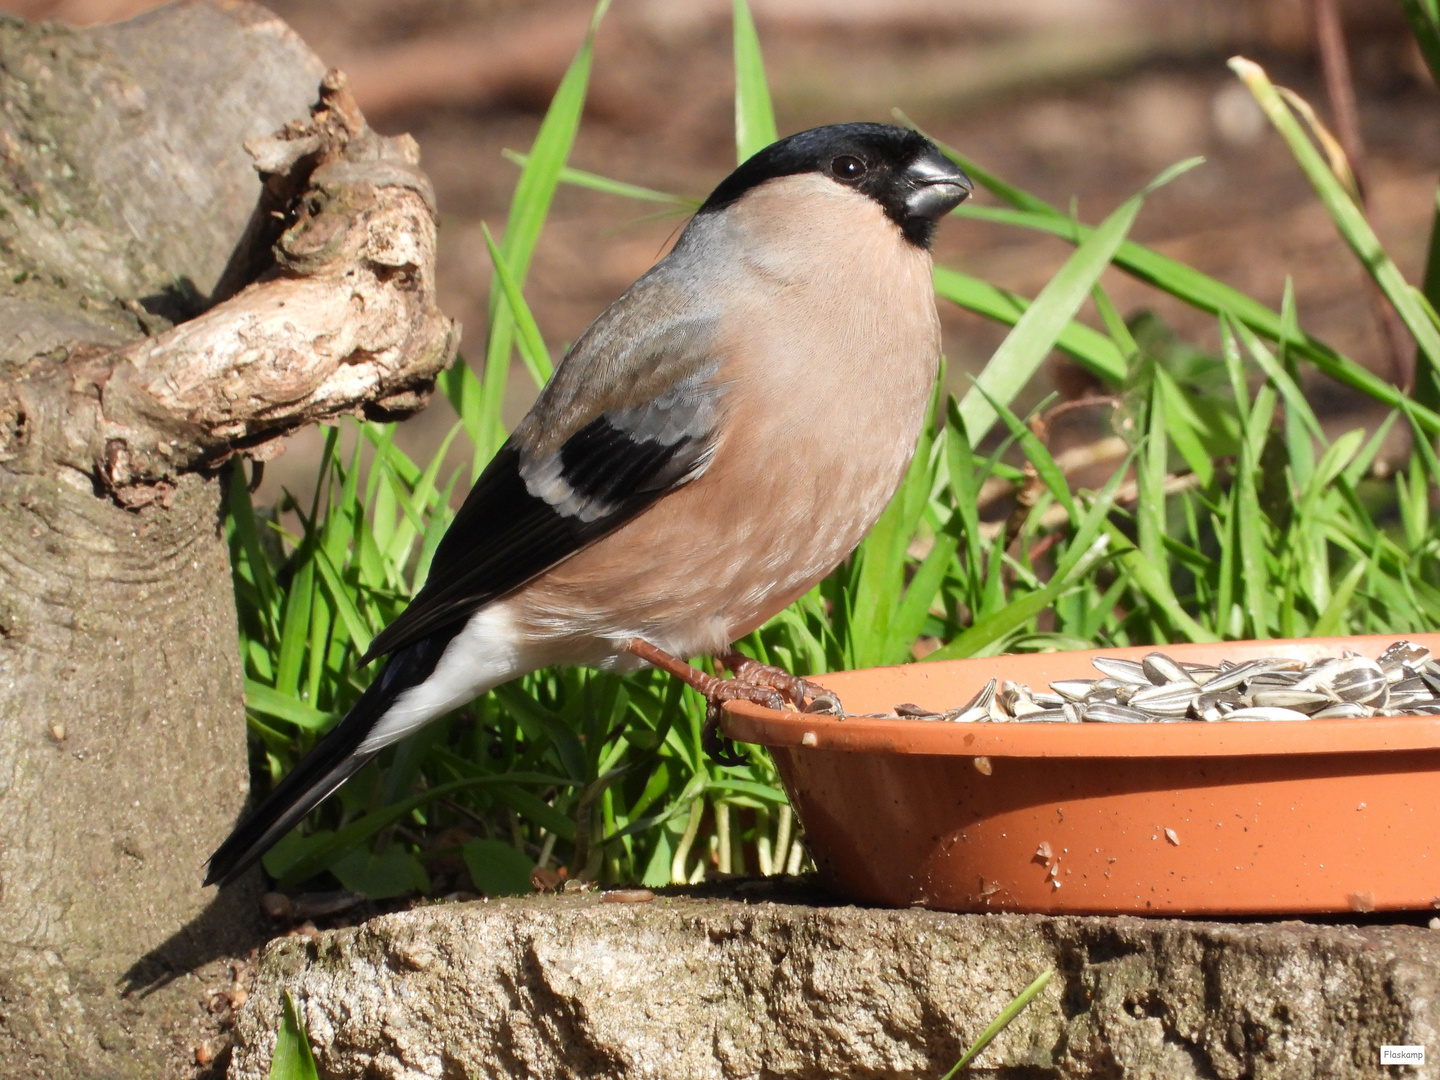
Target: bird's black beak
[[937, 186]]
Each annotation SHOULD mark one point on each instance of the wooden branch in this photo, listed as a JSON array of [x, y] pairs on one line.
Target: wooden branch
[[344, 320]]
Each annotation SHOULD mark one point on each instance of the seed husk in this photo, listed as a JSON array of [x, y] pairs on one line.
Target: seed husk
[[910, 711], [983, 698], [1410, 659], [1350, 678]]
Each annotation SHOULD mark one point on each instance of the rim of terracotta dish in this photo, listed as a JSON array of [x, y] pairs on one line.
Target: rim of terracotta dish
[[747, 722]]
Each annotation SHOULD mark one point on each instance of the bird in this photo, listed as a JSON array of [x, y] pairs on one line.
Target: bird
[[718, 440]]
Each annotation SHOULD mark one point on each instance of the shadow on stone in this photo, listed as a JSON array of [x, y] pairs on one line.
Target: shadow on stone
[[229, 926]]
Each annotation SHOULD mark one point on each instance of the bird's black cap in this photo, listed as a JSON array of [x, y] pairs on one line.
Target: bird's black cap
[[900, 169]]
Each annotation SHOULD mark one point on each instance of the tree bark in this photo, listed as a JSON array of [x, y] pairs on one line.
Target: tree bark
[[195, 259]]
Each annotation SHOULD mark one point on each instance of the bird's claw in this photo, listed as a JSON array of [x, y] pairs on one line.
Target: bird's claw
[[717, 747], [806, 696]]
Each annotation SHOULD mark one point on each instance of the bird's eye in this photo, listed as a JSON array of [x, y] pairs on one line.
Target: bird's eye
[[847, 169]]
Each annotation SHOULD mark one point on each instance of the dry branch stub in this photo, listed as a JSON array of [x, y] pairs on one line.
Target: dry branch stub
[[341, 319]]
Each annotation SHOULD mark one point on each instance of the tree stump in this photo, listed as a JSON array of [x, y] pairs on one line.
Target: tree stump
[[196, 258]]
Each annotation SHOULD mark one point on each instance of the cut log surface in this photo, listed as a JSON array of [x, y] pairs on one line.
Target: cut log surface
[[203, 246]]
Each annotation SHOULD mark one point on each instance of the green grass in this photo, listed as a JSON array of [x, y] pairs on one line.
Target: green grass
[[1232, 516], [1007, 1016], [292, 1059]]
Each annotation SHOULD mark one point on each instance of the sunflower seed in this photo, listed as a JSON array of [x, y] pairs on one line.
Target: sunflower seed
[[965, 716], [1158, 689], [1073, 689], [1274, 679], [1306, 701], [1405, 700], [1266, 714], [1172, 699], [1052, 715], [1127, 671], [1160, 669], [1237, 673], [1343, 710], [1108, 685], [1210, 699], [1114, 714]]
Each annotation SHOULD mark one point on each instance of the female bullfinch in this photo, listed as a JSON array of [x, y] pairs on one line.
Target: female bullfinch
[[716, 442]]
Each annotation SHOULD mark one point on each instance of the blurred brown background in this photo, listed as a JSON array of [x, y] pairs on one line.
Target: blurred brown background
[[1080, 100]]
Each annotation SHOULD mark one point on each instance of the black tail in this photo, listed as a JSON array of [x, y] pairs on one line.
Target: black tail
[[334, 760]]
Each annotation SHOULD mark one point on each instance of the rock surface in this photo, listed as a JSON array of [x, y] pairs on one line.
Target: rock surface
[[680, 987]]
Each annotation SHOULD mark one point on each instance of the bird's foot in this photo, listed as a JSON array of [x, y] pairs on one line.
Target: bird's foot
[[802, 693], [744, 687]]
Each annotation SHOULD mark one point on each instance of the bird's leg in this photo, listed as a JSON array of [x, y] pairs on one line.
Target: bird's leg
[[710, 687], [715, 692], [794, 688]]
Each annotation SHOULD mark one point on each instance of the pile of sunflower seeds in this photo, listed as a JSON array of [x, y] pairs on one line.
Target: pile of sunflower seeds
[[1403, 681]]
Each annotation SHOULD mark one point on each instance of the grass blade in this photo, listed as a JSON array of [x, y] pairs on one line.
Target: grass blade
[[271, 702], [351, 836], [1001, 1022], [1426, 29], [596, 182], [532, 345], [994, 628], [529, 207], [1349, 219], [293, 1059], [1094, 352], [754, 115], [1205, 293], [1035, 333]]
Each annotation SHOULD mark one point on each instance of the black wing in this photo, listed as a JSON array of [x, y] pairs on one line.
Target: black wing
[[504, 536], [586, 459]]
